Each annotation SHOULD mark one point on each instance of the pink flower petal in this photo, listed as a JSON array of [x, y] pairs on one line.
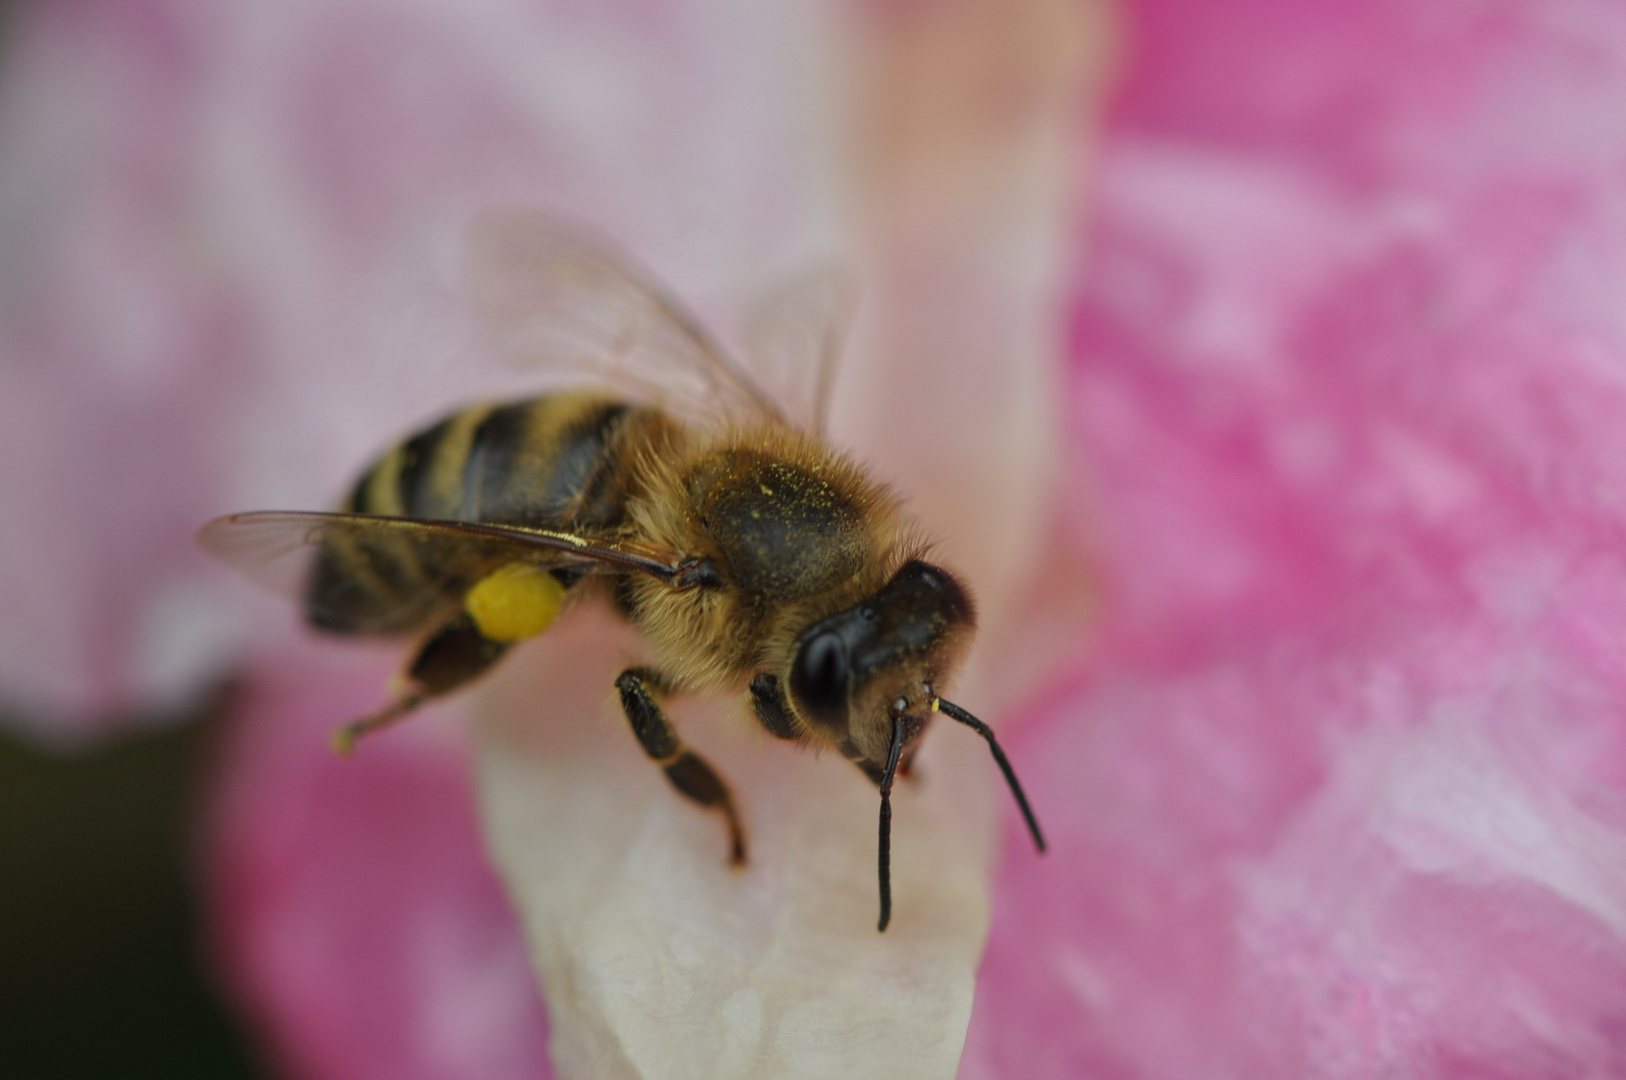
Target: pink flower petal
[[361, 924], [1339, 792]]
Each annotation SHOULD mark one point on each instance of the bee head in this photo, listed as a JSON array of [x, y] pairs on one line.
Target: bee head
[[857, 670]]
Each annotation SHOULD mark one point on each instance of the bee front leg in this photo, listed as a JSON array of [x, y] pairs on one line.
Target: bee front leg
[[687, 771], [451, 657], [773, 712]]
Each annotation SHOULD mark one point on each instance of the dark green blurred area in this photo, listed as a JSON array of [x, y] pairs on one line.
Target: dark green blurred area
[[102, 971]]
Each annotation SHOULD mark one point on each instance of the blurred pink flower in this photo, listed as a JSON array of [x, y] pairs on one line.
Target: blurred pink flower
[[1336, 789], [1339, 790], [355, 911]]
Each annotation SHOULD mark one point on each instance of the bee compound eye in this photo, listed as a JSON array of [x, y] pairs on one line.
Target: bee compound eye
[[818, 679]]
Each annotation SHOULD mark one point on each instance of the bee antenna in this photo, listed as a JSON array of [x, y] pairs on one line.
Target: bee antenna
[[885, 850], [953, 710]]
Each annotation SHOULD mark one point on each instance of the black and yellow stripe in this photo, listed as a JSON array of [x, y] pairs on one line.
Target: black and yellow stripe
[[552, 462]]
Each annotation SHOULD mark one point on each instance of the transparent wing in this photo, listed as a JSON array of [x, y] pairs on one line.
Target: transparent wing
[[556, 295], [373, 574], [794, 339]]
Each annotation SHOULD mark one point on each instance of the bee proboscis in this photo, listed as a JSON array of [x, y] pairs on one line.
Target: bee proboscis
[[750, 555]]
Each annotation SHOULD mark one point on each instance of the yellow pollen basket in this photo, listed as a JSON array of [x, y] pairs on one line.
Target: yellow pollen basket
[[514, 602]]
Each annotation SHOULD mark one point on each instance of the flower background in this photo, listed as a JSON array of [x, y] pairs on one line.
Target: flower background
[[1335, 784]]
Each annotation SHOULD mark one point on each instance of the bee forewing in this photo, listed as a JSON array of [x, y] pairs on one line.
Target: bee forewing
[[552, 295], [274, 548]]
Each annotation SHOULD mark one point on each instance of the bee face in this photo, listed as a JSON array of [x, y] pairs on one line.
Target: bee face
[[856, 670]]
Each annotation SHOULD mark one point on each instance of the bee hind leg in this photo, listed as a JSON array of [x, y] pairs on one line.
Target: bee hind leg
[[449, 658], [688, 771], [344, 739]]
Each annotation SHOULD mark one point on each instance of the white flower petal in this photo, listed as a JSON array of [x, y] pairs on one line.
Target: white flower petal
[[657, 959]]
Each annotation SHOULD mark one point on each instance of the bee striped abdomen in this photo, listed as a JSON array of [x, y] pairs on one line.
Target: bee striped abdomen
[[430, 481], [548, 462]]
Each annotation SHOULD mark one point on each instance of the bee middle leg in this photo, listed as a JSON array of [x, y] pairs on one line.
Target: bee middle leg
[[688, 771], [451, 657]]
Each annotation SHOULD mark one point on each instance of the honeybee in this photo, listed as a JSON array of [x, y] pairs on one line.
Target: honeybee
[[751, 556]]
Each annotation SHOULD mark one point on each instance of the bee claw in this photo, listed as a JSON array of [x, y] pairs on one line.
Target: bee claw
[[343, 740]]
